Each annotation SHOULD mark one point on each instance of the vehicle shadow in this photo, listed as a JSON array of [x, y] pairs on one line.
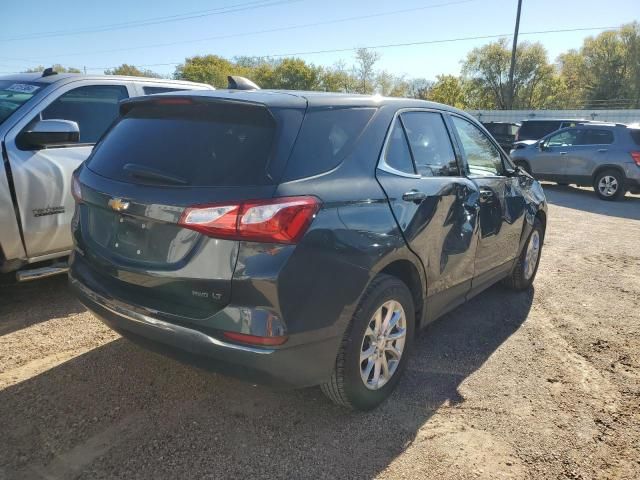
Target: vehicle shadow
[[121, 411], [25, 304], [585, 199]]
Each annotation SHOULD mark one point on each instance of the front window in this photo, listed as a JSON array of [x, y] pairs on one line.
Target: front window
[[566, 138], [483, 157], [14, 94]]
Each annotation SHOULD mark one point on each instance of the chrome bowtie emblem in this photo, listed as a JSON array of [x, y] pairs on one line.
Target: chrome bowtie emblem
[[118, 204]]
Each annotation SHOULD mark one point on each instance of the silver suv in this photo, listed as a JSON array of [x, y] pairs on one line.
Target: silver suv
[[605, 156]]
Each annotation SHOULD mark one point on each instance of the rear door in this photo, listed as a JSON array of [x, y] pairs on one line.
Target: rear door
[[502, 205], [434, 203], [42, 178], [591, 150]]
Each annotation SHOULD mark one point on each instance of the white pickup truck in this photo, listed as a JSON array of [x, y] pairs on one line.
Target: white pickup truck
[[49, 123]]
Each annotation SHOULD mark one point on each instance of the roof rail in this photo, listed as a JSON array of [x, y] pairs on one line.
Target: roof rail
[[241, 83], [47, 72]]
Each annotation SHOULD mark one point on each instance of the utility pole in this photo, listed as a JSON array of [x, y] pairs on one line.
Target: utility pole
[[513, 58]]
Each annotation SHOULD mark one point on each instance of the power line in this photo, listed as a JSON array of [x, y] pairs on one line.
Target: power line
[[388, 45], [239, 7], [272, 30]]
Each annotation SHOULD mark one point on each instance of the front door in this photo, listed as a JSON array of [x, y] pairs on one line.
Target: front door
[[502, 205], [42, 178], [555, 151], [434, 204]]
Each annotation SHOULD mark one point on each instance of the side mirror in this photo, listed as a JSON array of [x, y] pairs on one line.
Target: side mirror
[[50, 133], [541, 146]]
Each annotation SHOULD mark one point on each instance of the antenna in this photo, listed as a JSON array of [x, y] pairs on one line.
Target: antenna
[[241, 83]]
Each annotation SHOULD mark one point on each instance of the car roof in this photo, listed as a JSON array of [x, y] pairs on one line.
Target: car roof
[[69, 77], [582, 120], [311, 99]]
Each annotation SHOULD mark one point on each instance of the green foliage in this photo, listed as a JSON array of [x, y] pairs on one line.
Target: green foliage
[[132, 71], [56, 68], [449, 90]]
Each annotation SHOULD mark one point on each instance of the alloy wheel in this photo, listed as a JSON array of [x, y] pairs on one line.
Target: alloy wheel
[[608, 186], [532, 254], [383, 345]]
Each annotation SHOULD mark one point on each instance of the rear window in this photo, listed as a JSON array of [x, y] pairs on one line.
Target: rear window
[[198, 144], [635, 134], [536, 130], [325, 138], [154, 90]]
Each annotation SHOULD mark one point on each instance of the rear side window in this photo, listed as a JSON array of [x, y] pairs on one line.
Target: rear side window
[[430, 144], [635, 134], [93, 108], [536, 130], [325, 138], [153, 90], [593, 136], [195, 145]]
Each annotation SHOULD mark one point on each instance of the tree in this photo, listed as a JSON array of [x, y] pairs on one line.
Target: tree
[[572, 70], [296, 74], [364, 69], [338, 79], [210, 69], [56, 68], [132, 71], [449, 90], [486, 69]]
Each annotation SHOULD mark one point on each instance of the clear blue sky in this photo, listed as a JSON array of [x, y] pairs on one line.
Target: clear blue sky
[[461, 18]]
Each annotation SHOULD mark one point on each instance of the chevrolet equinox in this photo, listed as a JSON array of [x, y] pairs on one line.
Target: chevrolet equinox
[[297, 238]]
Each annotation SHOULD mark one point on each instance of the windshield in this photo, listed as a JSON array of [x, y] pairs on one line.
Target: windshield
[[13, 94]]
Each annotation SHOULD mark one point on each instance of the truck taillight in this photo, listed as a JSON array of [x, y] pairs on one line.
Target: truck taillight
[[636, 157], [278, 220], [76, 190]]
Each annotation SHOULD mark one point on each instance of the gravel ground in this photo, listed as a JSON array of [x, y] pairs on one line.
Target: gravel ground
[[542, 384]]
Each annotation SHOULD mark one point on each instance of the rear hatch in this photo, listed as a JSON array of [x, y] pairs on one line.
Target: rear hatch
[[163, 156]]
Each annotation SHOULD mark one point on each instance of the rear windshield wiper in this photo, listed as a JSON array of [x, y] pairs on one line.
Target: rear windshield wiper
[[141, 171]]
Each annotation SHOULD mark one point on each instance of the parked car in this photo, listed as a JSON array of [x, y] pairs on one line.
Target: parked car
[[48, 125], [536, 129], [503, 132], [264, 233], [603, 156]]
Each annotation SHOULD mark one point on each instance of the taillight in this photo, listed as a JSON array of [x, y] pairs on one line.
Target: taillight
[[278, 220], [76, 190], [636, 157]]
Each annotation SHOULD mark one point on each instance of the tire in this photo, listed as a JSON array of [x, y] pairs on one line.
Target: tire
[[524, 271], [346, 387], [524, 165], [611, 178]]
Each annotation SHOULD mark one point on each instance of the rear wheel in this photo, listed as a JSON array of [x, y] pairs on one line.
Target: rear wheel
[[524, 272], [609, 185], [375, 347]]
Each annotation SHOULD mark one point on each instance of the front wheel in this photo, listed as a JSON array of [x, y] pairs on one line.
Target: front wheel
[[524, 271], [609, 185], [375, 347]]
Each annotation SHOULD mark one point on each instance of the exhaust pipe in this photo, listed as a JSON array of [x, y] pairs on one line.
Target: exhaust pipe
[[43, 272]]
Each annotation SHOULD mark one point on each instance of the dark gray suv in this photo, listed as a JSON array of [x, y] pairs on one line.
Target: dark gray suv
[[297, 238], [604, 156]]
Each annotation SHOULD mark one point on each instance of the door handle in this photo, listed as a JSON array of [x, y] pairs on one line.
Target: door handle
[[602, 150], [563, 153], [414, 196], [486, 195]]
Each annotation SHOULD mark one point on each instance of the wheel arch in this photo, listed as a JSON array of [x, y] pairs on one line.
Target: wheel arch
[[413, 277], [601, 168]]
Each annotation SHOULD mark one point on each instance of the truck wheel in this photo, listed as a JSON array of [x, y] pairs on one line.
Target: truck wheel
[[524, 272], [609, 185], [375, 348]]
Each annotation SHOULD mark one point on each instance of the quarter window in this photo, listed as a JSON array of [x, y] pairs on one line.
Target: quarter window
[[483, 157], [93, 108], [398, 155], [430, 144]]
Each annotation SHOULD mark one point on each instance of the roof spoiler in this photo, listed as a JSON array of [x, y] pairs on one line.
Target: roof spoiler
[[240, 83]]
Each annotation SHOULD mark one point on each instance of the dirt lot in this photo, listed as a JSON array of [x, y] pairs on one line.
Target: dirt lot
[[543, 384]]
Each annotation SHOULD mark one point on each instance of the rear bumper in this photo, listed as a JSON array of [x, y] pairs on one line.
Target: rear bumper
[[297, 366]]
